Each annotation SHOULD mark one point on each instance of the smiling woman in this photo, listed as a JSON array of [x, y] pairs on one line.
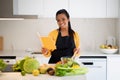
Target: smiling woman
[[65, 38]]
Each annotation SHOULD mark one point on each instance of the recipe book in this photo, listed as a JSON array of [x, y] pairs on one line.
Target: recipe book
[[47, 42]]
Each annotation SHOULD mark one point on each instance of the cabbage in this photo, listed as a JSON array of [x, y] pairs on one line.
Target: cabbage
[[22, 62], [30, 65]]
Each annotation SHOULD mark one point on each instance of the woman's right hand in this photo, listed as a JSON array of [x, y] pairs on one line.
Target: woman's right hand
[[44, 51]]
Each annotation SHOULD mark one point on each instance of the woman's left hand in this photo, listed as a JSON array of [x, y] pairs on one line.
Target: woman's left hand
[[76, 50]]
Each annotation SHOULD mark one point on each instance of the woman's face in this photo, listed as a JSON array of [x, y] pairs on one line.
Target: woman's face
[[62, 21]]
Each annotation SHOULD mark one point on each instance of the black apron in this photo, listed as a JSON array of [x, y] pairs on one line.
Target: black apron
[[65, 46]]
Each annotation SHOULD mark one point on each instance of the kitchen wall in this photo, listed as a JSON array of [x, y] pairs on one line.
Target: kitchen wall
[[119, 28], [118, 32], [21, 34]]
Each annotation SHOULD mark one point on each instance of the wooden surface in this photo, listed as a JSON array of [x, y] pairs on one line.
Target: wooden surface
[[1, 43]]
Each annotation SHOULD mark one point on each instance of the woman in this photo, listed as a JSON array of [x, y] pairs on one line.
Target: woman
[[66, 39]]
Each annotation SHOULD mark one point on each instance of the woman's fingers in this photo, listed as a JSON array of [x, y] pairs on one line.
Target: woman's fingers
[[77, 50], [44, 51]]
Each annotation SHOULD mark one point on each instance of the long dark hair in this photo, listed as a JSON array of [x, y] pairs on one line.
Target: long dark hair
[[70, 30]]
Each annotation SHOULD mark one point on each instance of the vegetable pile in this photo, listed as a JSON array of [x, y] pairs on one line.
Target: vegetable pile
[[69, 68], [2, 65], [32, 66], [26, 65]]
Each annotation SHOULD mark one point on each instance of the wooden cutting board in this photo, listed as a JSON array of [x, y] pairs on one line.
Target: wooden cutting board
[[1, 43]]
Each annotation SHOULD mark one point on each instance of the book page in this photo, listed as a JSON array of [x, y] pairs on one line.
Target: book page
[[47, 42]]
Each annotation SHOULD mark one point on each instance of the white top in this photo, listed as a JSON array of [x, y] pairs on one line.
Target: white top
[[23, 53], [18, 76]]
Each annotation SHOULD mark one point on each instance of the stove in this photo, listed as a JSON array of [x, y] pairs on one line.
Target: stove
[[10, 60]]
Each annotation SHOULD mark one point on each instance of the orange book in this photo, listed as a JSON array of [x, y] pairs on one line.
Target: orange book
[[47, 42]]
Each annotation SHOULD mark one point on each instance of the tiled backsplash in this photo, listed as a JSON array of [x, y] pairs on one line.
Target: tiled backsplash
[[21, 35]]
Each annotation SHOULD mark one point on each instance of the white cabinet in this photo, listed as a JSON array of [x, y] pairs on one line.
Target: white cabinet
[[96, 67], [28, 7], [94, 8], [42, 8], [76, 8], [112, 8], [52, 6], [113, 66], [88, 8]]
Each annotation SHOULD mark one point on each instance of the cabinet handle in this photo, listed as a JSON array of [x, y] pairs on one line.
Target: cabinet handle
[[87, 63], [7, 61]]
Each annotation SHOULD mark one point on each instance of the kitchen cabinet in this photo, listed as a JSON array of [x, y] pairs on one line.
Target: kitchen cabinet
[[96, 67], [88, 8], [112, 8], [28, 7], [51, 7], [42, 8], [94, 8], [76, 8], [113, 65]]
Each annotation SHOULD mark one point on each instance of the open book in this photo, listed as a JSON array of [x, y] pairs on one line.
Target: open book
[[47, 42]]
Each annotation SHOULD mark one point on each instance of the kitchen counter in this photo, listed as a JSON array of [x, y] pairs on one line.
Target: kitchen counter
[[15, 53], [97, 53], [82, 53], [18, 76], [22, 54]]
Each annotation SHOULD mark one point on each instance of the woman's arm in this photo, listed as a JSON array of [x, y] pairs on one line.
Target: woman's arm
[[53, 35], [77, 44], [77, 40]]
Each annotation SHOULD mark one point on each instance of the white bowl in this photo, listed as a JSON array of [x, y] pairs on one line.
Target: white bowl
[[109, 51]]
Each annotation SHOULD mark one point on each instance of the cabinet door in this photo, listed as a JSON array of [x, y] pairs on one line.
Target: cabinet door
[[113, 68], [112, 8], [28, 7], [88, 8], [52, 6]]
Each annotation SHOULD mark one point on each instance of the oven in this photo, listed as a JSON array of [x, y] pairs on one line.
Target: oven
[[10, 60], [96, 67]]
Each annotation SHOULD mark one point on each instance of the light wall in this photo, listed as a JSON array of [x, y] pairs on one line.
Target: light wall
[[21, 34], [118, 27], [119, 34]]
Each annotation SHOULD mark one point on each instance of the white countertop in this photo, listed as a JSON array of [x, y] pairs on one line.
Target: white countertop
[[97, 53], [83, 53], [18, 76], [15, 53]]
